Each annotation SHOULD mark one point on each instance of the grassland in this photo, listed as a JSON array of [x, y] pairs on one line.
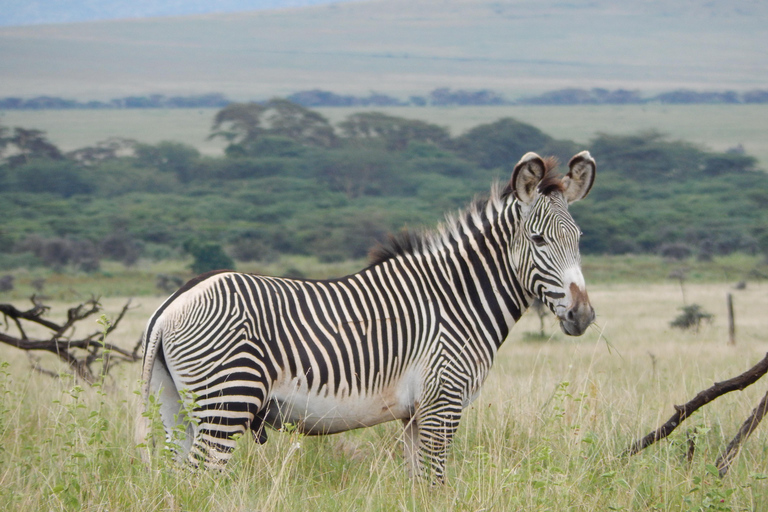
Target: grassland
[[717, 127], [546, 433]]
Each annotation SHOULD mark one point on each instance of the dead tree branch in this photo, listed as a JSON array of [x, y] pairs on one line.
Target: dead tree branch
[[724, 461], [704, 397], [79, 353]]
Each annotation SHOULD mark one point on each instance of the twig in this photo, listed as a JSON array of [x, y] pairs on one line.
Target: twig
[[58, 343], [749, 426], [704, 397]]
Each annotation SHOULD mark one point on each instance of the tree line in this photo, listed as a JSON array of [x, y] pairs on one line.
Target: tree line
[[291, 182], [440, 97]]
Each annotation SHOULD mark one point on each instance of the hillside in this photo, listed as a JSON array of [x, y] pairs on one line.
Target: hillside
[[397, 47]]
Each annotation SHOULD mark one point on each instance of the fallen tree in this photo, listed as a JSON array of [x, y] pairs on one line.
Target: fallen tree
[[80, 353], [701, 399]]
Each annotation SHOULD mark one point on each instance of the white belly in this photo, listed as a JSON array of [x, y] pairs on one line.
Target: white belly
[[321, 413]]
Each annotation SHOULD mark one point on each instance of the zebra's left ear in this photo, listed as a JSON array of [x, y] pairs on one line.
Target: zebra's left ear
[[580, 178]]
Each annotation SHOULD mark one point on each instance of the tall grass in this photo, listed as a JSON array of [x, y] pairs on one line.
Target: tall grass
[[547, 432]]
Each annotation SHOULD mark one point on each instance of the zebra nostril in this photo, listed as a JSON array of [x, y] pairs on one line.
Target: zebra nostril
[[569, 315]]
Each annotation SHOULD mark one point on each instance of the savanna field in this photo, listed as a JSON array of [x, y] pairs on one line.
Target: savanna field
[[125, 174], [550, 426], [546, 433]]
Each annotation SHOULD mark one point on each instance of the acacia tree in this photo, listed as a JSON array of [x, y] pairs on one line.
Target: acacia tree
[[396, 132], [29, 144], [500, 143], [4, 139], [242, 124]]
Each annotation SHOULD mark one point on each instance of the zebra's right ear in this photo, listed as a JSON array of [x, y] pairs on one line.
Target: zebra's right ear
[[526, 177]]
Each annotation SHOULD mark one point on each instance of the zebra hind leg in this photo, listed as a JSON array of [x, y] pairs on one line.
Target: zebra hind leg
[[217, 431]]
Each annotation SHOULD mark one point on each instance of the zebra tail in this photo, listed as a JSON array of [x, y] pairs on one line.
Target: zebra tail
[[152, 342]]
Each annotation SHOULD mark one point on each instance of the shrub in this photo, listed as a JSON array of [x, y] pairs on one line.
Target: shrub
[[61, 177], [691, 318], [207, 256], [59, 252], [6, 283], [121, 246], [675, 251]]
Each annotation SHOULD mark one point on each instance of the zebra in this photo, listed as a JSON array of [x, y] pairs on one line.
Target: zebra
[[411, 337]]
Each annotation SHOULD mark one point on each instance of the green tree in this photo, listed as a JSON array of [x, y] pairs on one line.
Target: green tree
[[361, 171], [29, 145], [267, 146], [5, 140], [103, 151], [727, 163], [167, 156], [501, 143], [61, 177], [245, 123], [208, 256], [396, 132], [648, 155]]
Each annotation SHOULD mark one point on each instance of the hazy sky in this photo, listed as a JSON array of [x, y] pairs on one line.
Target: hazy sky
[[35, 12]]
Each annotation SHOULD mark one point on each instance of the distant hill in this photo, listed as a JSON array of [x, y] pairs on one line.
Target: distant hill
[[36, 12], [398, 48]]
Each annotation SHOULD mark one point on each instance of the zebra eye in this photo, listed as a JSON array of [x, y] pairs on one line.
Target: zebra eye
[[538, 240]]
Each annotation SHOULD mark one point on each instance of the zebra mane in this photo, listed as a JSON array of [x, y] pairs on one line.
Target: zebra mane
[[408, 241]]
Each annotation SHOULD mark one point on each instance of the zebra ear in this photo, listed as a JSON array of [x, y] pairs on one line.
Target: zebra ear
[[580, 178], [526, 177]]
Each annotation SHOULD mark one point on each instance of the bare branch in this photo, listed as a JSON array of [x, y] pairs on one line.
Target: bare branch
[[33, 315], [704, 397], [94, 344], [749, 426]]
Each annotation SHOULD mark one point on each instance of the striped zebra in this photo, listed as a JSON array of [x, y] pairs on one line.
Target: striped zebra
[[411, 338]]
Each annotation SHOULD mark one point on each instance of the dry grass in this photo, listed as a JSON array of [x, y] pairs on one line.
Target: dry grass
[[545, 434]]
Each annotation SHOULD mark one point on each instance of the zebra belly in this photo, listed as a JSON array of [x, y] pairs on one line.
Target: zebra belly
[[320, 413]]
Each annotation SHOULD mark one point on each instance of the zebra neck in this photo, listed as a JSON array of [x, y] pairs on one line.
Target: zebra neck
[[465, 268]]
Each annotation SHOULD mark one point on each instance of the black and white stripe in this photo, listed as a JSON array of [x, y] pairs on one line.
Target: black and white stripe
[[412, 337]]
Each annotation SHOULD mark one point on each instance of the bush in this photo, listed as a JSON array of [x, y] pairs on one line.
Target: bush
[[59, 252], [675, 251], [60, 177], [691, 318], [253, 249], [208, 256], [6, 283], [122, 247]]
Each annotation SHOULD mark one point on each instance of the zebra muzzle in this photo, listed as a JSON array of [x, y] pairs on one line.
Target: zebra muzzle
[[575, 320], [575, 323]]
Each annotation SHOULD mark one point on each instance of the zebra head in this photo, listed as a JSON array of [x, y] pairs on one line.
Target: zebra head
[[545, 246]]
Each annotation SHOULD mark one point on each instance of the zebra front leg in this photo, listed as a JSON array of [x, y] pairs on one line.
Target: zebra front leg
[[437, 425]]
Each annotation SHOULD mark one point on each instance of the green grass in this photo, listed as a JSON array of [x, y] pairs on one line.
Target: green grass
[[646, 268], [546, 433], [736, 124]]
